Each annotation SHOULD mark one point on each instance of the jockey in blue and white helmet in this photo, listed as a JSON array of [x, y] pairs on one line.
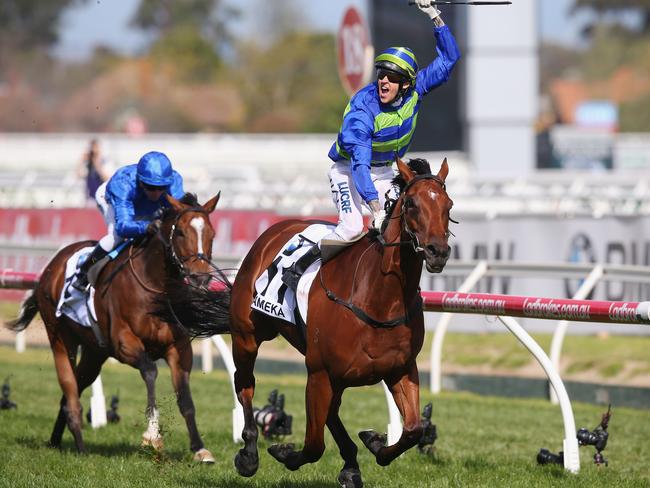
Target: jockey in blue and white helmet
[[130, 201], [378, 124]]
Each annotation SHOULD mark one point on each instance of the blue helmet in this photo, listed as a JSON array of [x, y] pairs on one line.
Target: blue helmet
[[155, 169], [401, 60]]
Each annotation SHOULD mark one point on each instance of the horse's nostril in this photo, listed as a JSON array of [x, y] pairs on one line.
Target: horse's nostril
[[437, 252]]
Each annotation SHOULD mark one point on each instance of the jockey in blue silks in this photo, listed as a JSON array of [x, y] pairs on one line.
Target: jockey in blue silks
[[378, 125], [130, 203]]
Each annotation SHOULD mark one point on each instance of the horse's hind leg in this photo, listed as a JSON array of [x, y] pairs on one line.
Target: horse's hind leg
[[180, 364], [406, 393], [350, 476], [65, 355], [319, 396]]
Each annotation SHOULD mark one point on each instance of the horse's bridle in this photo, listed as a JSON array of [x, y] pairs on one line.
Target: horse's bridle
[[180, 261], [416, 305], [413, 241], [169, 248]]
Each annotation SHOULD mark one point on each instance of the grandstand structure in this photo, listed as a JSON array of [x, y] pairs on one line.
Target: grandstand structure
[[288, 174]]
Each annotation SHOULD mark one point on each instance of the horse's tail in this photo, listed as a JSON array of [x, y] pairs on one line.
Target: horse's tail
[[28, 310]]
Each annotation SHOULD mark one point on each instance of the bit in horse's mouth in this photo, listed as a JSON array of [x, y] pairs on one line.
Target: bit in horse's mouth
[[435, 268]]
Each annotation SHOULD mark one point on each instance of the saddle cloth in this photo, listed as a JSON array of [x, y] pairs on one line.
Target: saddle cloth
[[74, 304], [272, 296]]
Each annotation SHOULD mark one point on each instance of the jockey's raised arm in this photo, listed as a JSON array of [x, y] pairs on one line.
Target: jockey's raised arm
[[378, 125]]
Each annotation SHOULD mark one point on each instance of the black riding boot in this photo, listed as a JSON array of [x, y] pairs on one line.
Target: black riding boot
[[292, 275], [80, 281]]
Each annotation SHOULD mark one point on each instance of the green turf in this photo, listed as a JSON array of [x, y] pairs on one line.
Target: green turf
[[482, 441]]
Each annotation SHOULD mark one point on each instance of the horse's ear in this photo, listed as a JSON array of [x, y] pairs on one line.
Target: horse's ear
[[444, 170], [176, 205], [210, 204], [406, 172]]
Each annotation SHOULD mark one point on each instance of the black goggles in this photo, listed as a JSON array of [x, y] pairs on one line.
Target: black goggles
[[392, 76], [153, 187]]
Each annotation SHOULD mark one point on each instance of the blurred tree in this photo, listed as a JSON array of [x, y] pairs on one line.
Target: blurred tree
[[28, 24], [209, 17], [642, 7], [190, 36], [635, 115], [186, 55], [289, 77], [292, 85]]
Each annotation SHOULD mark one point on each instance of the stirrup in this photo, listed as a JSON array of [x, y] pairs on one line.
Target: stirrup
[[80, 282], [291, 277]]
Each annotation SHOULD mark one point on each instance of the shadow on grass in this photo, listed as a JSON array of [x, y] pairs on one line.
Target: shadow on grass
[[232, 482], [119, 449]]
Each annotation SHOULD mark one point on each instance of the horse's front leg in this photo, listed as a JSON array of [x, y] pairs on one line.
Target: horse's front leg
[[406, 392], [244, 351], [179, 359], [350, 476], [130, 350], [318, 399]]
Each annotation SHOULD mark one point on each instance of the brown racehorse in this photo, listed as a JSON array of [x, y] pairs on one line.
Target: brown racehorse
[[125, 299], [373, 333]]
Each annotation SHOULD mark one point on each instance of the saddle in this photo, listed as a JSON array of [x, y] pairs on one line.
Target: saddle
[[79, 305]]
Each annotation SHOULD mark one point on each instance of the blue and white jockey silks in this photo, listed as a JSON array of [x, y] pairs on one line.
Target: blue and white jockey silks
[[75, 304], [126, 209], [272, 296], [372, 133]]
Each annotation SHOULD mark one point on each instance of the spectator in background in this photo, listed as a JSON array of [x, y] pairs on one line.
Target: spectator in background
[[91, 167]]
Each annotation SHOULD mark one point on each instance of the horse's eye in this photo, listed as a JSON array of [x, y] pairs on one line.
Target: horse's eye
[[179, 233], [409, 203]]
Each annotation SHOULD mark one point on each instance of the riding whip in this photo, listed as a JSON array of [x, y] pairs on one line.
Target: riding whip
[[452, 2]]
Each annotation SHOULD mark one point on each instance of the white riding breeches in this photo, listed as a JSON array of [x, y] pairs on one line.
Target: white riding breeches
[[348, 201], [111, 239]]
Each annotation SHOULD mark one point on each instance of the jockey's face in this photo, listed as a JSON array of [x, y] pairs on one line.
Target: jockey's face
[[153, 193], [388, 85]]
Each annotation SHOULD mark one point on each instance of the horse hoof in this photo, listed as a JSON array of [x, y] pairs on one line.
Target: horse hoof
[[372, 440], [350, 478], [155, 442], [203, 456], [281, 451], [246, 463]]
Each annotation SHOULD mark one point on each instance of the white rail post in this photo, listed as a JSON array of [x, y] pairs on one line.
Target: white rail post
[[206, 356], [560, 330], [237, 411], [20, 341], [435, 378], [394, 429], [97, 404], [570, 444]]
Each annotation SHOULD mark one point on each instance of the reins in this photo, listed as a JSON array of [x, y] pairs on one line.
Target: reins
[[416, 305], [169, 247]]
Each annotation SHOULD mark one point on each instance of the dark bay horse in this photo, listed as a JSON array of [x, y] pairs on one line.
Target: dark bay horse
[[127, 291], [364, 324]]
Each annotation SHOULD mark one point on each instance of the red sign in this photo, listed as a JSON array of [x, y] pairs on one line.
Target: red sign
[[354, 51]]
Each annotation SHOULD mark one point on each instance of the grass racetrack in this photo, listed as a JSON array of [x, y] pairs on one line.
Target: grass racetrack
[[483, 441]]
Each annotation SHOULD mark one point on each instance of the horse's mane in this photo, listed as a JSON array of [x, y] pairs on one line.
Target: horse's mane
[[183, 303], [187, 199], [420, 167]]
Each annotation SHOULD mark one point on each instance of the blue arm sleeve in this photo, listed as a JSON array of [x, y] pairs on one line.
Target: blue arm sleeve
[[176, 188], [125, 224], [439, 71], [356, 138]]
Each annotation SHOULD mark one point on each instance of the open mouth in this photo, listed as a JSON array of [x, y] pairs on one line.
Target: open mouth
[[435, 265]]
